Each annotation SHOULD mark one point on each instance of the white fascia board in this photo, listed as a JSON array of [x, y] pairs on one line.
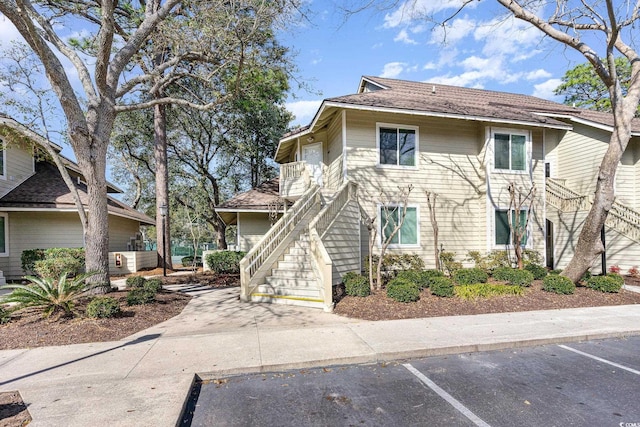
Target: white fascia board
[[64, 210], [585, 122], [246, 210], [364, 79], [444, 115]]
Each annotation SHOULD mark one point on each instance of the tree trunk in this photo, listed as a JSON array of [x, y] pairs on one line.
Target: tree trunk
[[162, 186], [220, 228], [589, 243]]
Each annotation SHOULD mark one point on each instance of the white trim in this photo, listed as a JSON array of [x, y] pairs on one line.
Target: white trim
[[344, 144], [5, 215], [364, 79], [67, 210], [544, 194], [238, 231], [488, 198], [494, 245], [398, 127], [528, 151], [581, 121], [246, 210], [5, 152], [399, 245]]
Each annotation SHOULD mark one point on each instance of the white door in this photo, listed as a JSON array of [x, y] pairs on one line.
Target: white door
[[312, 154]]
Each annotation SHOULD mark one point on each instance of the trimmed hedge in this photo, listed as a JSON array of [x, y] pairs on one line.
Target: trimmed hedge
[[356, 285], [225, 262], [442, 287], [558, 284], [28, 259], [513, 276], [617, 278], [403, 290], [103, 308], [153, 285], [135, 281], [53, 262], [538, 271], [140, 296], [422, 278], [470, 276], [607, 283], [486, 290]]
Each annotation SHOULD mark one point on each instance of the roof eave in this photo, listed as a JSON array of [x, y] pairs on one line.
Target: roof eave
[[585, 122]]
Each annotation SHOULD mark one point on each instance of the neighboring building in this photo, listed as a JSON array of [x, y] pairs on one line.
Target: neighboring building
[[465, 145], [38, 211]]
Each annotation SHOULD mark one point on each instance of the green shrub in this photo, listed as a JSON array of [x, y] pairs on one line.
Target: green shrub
[[558, 284], [188, 261], [403, 290], [449, 263], [153, 285], [103, 307], [617, 278], [420, 278], [52, 268], [225, 262], [530, 256], [5, 315], [556, 271], [75, 253], [468, 276], [140, 296], [356, 285], [50, 295], [513, 276], [486, 290], [442, 287], [586, 276], [135, 281], [538, 271], [392, 264], [28, 259], [604, 283]]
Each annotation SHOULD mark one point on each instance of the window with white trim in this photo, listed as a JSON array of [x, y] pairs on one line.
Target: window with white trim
[[397, 145], [502, 232], [510, 151], [4, 234], [409, 231]]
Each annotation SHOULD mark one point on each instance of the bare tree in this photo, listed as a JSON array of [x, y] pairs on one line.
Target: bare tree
[[198, 33], [431, 203], [518, 225], [393, 211]]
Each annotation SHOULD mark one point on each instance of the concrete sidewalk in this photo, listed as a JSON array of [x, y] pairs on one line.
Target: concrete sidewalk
[[144, 380]]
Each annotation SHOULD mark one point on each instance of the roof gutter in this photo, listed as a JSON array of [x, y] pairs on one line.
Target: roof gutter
[[585, 122]]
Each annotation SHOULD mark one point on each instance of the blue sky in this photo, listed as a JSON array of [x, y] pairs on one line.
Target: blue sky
[[482, 49]]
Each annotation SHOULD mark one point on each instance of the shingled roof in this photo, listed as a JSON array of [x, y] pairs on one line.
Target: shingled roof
[[258, 199], [47, 190]]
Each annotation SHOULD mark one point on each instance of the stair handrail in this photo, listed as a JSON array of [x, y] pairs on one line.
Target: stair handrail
[[253, 260], [320, 258], [568, 199]]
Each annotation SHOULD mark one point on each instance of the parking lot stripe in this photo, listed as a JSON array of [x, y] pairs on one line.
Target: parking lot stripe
[[446, 396], [600, 359]]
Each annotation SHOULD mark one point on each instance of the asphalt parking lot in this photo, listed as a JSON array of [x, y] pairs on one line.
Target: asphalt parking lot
[[594, 383]]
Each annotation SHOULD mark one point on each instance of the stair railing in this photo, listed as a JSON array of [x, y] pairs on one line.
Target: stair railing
[[256, 257]]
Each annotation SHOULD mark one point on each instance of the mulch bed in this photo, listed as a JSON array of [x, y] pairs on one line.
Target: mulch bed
[[378, 306]]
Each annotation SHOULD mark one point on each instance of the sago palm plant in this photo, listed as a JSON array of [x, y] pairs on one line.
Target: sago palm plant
[[50, 295]]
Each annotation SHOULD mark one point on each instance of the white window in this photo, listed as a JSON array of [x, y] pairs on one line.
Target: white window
[[397, 145], [511, 150], [502, 231], [409, 232], [4, 234]]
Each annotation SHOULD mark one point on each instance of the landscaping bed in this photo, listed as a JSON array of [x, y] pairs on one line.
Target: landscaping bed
[[378, 306], [13, 411]]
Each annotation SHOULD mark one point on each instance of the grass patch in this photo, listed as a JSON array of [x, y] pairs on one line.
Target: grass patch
[[486, 290]]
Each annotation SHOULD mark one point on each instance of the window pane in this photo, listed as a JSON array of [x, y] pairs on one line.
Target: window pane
[[407, 147], [409, 230], [388, 146], [518, 152], [389, 223], [520, 225], [501, 150], [1, 159], [502, 228], [3, 243]]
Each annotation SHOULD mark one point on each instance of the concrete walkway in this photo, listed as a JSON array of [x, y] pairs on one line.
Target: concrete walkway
[[144, 380]]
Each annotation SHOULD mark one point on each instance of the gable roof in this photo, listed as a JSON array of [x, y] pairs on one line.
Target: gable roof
[[46, 190], [437, 100], [258, 199]]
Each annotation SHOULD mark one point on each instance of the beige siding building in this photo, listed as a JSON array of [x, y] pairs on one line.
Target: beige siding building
[[467, 147]]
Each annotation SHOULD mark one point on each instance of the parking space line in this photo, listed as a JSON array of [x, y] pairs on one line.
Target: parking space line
[[600, 359], [446, 396]]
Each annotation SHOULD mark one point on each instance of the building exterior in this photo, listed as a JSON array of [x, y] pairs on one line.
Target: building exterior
[[37, 209], [465, 145]]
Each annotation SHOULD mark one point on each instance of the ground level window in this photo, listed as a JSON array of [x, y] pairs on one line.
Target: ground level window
[[408, 233], [502, 230], [3, 234]]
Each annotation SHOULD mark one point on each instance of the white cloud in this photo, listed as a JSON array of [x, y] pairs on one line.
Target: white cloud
[[545, 90], [537, 74], [403, 37], [477, 63], [393, 69], [413, 10], [453, 32], [303, 110]]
